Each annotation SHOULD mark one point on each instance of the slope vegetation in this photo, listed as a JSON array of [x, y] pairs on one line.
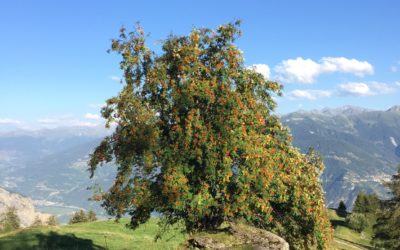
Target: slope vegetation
[[110, 235], [94, 235]]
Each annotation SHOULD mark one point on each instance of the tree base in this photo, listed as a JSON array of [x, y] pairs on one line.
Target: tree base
[[237, 236]]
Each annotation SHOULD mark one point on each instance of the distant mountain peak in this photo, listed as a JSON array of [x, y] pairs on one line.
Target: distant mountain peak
[[395, 108], [360, 147], [344, 110]]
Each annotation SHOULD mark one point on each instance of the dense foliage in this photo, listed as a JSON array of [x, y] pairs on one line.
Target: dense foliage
[[9, 220], [366, 203], [387, 228], [196, 140], [357, 221]]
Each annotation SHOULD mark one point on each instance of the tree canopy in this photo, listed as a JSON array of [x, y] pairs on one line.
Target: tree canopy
[[387, 227], [196, 140], [342, 209], [366, 203]]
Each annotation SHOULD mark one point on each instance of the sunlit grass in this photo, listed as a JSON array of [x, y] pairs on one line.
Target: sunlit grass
[[346, 238], [95, 235]]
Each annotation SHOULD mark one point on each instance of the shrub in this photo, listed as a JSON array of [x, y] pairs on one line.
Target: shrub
[[357, 222], [91, 216], [78, 217], [52, 221], [81, 216]]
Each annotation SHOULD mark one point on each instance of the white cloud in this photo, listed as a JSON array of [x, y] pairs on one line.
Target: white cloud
[[66, 121], [342, 64], [92, 116], [298, 70], [346, 89], [310, 94], [396, 67], [85, 124], [262, 69], [115, 78], [48, 121], [383, 88], [9, 121], [301, 70], [355, 88], [366, 89]]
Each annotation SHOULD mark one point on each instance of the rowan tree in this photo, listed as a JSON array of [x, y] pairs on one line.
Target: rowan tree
[[196, 140]]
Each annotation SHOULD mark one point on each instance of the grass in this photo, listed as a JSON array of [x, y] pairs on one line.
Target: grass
[[92, 236], [108, 235], [346, 238]]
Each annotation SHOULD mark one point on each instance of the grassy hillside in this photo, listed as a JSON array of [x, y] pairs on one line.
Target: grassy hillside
[[346, 238], [96, 235], [115, 236]]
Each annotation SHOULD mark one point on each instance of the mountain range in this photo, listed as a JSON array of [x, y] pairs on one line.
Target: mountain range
[[360, 149], [49, 166]]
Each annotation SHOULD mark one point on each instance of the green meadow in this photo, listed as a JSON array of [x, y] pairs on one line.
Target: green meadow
[[109, 235]]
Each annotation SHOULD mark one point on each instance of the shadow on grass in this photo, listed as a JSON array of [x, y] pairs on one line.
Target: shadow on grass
[[336, 223], [49, 241]]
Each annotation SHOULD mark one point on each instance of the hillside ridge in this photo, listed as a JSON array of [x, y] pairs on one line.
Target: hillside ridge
[[24, 206]]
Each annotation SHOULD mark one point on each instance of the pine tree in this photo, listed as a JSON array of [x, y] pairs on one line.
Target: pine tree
[[196, 140], [387, 228], [342, 209]]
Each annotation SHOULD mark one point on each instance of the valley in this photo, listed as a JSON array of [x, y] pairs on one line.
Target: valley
[[359, 147]]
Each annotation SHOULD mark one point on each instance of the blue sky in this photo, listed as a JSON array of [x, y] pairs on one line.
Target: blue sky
[[54, 69]]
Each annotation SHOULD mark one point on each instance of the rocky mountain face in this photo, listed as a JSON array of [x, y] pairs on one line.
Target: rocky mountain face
[[24, 206], [360, 148]]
